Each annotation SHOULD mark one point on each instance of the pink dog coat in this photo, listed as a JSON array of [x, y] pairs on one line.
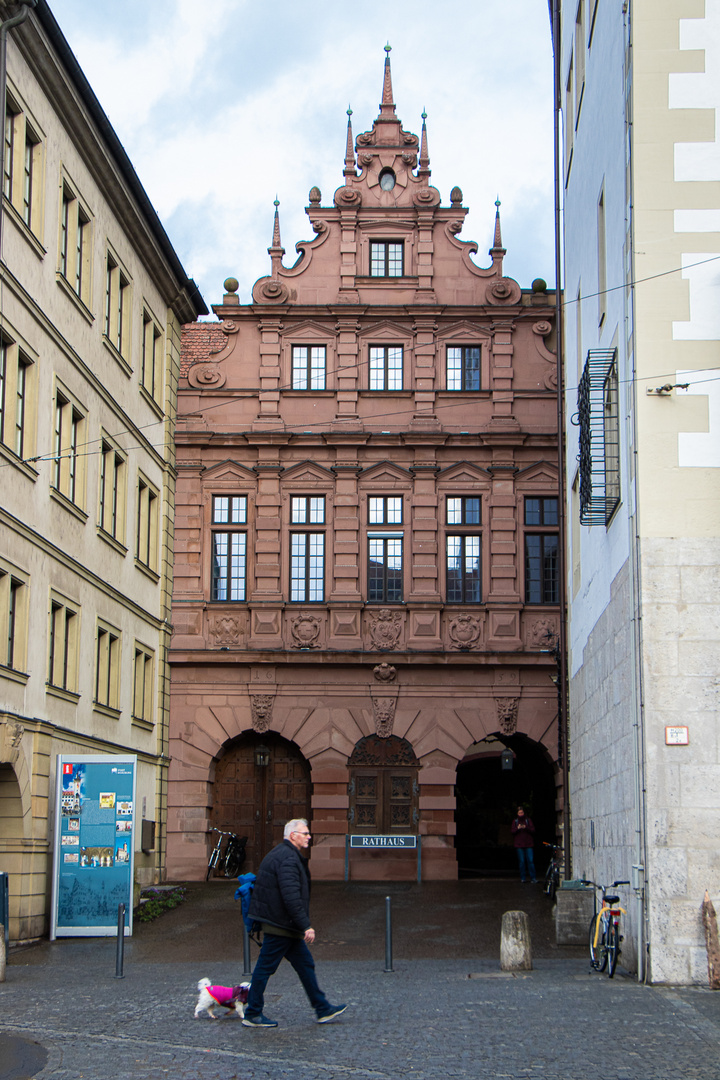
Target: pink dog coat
[[227, 996]]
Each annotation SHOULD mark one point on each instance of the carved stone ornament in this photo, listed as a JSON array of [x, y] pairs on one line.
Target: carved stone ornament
[[543, 634], [373, 750], [507, 713], [229, 327], [270, 291], [204, 376], [305, 631], [365, 139], [542, 327], [503, 291], [261, 706], [428, 196], [366, 159], [11, 733], [346, 196], [385, 673], [225, 629], [464, 631], [384, 715], [409, 159], [385, 629]]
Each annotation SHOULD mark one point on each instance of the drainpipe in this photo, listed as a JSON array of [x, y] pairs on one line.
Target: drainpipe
[[637, 693], [563, 725], [4, 28]]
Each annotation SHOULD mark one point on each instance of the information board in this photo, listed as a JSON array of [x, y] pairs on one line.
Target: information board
[[94, 844]]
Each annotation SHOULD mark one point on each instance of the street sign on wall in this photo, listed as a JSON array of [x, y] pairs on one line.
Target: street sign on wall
[[95, 816]]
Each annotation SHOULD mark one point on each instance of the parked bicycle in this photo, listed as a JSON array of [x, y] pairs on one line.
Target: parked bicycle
[[605, 936], [552, 874], [229, 861]]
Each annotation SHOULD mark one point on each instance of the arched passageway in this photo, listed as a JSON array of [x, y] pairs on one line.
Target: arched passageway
[[487, 797], [261, 781]]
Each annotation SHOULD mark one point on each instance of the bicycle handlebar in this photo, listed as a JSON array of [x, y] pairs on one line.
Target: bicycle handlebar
[[603, 888]]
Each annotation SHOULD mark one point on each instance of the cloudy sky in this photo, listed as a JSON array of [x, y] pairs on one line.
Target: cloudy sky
[[222, 106]]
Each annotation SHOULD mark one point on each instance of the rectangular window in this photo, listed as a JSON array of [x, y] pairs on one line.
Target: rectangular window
[[602, 258], [541, 552], [307, 567], [152, 355], [75, 245], [111, 518], [16, 375], [68, 463], [308, 367], [385, 510], [147, 525], [599, 424], [144, 684], [22, 168], [386, 258], [386, 367], [463, 367], [229, 509], [463, 569], [117, 306], [13, 619], [107, 668], [463, 510], [307, 510], [229, 566], [63, 653], [385, 568]]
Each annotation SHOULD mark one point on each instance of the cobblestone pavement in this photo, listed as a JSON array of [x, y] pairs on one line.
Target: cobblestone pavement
[[445, 1018]]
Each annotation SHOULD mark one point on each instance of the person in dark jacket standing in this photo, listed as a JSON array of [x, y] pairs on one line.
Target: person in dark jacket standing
[[523, 829], [281, 903]]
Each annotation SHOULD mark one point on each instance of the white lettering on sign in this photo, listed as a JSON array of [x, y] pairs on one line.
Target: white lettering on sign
[[383, 841]]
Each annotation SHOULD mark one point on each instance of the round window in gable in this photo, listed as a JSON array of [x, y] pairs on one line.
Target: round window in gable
[[387, 179]]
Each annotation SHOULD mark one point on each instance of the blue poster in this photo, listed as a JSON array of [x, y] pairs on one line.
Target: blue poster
[[94, 845]]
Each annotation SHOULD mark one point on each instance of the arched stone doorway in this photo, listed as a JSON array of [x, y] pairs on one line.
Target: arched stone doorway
[[261, 781], [487, 797]]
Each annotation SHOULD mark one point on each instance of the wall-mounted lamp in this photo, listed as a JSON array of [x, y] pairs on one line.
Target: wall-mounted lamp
[[506, 759], [262, 756]]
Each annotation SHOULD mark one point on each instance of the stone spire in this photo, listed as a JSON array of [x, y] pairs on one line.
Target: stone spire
[[349, 169], [497, 250], [276, 251], [424, 160], [387, 107]]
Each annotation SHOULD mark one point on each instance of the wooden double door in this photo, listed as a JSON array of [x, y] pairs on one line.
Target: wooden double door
[[256, 800]]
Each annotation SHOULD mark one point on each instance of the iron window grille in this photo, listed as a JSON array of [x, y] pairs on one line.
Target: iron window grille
[[598, 420]]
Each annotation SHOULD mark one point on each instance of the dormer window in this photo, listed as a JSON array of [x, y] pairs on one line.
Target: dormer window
[[387, 180], [386, 258]]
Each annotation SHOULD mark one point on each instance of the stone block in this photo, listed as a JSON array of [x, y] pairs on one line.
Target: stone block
[[515, 944], [573, 912]]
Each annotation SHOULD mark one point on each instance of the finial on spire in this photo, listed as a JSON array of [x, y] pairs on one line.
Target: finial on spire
[[424, 160], [276, 250], [387, 107], [497, 240], [349, 169]]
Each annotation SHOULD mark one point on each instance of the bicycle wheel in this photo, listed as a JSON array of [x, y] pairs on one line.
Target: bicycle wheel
[[550, 882], [232, 864], [613, 948]]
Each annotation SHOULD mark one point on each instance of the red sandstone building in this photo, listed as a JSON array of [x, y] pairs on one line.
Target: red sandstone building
[[366, 578]]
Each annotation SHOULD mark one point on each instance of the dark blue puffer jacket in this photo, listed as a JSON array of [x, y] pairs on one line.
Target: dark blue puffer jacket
[[281, 896]]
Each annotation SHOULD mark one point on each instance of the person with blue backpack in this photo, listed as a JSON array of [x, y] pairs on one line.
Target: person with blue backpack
[[280, 903]]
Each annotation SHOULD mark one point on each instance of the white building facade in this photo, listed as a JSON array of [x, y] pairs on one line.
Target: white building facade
[[640, 92]]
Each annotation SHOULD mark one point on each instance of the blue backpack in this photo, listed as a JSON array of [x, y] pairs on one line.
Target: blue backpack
[[243, 894]]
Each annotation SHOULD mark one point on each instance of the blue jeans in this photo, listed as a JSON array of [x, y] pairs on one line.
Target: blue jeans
[[526, 863], [274, 948]]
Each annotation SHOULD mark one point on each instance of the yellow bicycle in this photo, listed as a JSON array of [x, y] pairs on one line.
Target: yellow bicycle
[[605, 936]]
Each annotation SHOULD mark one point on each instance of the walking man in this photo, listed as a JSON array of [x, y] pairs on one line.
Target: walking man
[[281, 903]]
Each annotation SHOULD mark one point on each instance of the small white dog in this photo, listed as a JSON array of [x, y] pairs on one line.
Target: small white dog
[[232, 998]]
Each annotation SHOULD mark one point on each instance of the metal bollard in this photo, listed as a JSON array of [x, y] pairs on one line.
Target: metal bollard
[[388, 934], [247, 965], [120, 953]]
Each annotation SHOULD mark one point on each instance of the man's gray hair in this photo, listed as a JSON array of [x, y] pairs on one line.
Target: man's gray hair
[[292, 826]]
